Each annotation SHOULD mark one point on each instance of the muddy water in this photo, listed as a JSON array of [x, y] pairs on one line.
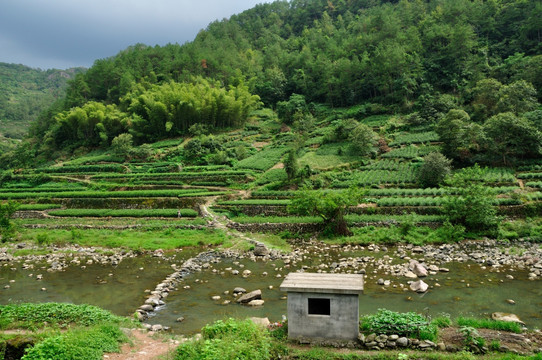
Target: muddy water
[[466, 290], [120, 289]]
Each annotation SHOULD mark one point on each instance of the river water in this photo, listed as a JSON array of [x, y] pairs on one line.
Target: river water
[[467, 290]]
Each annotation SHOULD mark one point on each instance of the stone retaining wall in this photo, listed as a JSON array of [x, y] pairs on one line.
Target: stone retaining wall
[[127, 203], [310, 227], [105, 227], [276, 227], [29, 214]]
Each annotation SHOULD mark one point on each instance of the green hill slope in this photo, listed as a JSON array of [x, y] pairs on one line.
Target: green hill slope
[[25, 93]]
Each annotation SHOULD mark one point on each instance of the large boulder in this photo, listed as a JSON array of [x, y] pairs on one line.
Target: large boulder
[[417, 268], [263, 322], [500, 316], [419, 286], [248, 297], [260, 249]]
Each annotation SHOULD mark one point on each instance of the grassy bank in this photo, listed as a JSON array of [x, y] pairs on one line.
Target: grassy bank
[[60, 331], [133, 239]]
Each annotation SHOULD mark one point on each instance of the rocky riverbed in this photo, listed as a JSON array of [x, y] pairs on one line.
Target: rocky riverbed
[[403, 268]]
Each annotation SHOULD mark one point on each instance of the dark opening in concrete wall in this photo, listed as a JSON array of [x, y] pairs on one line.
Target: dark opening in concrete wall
[[319, 306]]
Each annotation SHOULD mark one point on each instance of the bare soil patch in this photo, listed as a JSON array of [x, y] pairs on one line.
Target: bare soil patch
[[145, 347], [520, 343]]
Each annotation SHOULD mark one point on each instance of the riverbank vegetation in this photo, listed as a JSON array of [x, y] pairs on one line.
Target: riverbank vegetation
[[60, 331]]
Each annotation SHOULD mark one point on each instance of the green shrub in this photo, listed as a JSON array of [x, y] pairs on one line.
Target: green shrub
[[442, 321], [80, 344], [403, 324], [230, 339]]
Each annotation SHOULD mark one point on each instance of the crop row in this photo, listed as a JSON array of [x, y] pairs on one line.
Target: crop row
[[94, 159], [124, 213], [263, 202], [534, 184], [350, 218], [534, 167], [114, 168], [384, 201], [411, 152], [375, 177], [530, 175], [277, 194], [263, 159], [40, 190], [429, 201], [387, 164], [110, 194], [181, 175], [414, 138]]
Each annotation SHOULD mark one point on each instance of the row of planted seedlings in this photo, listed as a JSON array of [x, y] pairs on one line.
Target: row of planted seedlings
[[64, 199], [383, 205]]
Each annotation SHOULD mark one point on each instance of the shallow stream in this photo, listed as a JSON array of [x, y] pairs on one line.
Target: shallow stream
[[466, 290]]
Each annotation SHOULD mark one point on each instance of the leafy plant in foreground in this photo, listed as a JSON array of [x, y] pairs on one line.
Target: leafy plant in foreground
[[403, 324]]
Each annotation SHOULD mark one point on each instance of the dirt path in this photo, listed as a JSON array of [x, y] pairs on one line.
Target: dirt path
[[145, 347]]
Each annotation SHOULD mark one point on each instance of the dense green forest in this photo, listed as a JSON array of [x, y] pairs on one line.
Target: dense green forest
[[25, 93], [470, 69]]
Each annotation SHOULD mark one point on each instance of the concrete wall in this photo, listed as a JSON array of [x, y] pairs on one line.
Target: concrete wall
[[342, 324]]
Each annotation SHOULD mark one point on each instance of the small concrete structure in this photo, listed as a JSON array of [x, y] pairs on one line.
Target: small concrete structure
[[323, 306]]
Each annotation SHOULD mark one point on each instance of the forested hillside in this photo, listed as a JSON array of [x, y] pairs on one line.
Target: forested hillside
[[470, 70], [25, 93]]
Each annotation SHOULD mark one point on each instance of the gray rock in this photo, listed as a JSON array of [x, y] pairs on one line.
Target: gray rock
[[402, 342], [255, 303], [180, 319], [260, 249], [391, 344], [157, 328], [500, 316], [146, 307], [419, 269], [263, 322], [419, 286], [239, 290], [253, 295]]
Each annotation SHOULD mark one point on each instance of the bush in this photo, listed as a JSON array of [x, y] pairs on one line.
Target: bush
[[434, 170], [230, 339], [403, 324], [473, 207], [81, 344], [7, 228]]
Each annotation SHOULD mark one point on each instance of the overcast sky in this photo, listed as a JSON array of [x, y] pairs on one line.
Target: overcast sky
[[67, 33]]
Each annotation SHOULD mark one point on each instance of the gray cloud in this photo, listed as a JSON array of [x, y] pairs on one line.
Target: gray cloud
[[66, 33]]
